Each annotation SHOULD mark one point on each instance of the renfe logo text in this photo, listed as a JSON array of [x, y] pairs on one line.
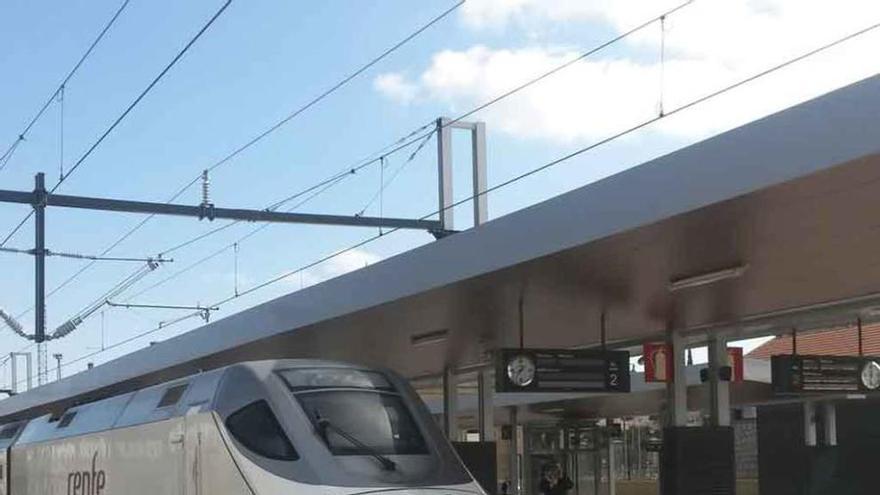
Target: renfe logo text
[[87, 482]]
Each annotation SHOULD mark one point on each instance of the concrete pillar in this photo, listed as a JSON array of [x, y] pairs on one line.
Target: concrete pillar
[[676, 392], [486, 405], [515, 447], [809, 424], [444, 173], [719, 391], [450, 404], [612, 469], [478, 141], [829, 411]]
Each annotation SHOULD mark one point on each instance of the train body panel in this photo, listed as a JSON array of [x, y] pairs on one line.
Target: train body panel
[[258, 428]]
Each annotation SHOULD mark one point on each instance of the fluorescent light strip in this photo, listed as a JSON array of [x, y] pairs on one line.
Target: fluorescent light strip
[[707, 278]]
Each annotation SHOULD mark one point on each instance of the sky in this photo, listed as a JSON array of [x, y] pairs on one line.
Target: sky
[[263, 59]]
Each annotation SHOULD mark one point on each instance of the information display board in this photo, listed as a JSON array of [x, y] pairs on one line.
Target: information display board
[[796, 374], [561, 370]]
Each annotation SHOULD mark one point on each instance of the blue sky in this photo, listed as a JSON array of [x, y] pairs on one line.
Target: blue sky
[[264, 58]]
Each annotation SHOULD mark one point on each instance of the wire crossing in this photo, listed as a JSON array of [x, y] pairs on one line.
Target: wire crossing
[[22, 136], [685, 106], [124, 114], [293, 115]]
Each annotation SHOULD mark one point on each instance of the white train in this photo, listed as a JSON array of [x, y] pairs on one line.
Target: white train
[[285, 427]]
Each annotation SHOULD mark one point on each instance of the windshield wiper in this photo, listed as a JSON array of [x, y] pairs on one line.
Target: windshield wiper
[[324, 424]]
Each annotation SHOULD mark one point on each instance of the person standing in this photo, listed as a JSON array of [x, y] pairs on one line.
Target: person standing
[[554, 481]]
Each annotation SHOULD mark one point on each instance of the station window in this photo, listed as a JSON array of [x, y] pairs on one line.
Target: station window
[[256, 427], [172, 395], [66, 419]]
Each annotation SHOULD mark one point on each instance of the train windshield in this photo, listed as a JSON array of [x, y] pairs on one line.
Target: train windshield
[[364, 413]]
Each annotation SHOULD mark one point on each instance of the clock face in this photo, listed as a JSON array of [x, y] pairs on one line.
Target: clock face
[[521, 370], [871, 375]]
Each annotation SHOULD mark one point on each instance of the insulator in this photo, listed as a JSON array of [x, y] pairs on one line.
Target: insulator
[[206, 188]]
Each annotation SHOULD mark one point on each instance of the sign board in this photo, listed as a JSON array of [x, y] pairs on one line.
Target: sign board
[[735, 361], [561, 370], [658, 362], [796, 374]]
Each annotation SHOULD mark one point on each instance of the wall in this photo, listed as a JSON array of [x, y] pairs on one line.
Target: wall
[[788, 467]]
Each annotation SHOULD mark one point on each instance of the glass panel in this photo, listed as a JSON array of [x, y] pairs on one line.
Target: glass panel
[[257, 428], [333, 377], [171, 396], [379, 421]]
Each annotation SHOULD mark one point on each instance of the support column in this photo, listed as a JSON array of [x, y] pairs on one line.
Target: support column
[[810, 424], [478, 141], [444, 173], [13, 371], [486, 405], [612, 469], [829, 412], [515, 466], [40, 276], [450, 404], [676, 392], [719, 391]]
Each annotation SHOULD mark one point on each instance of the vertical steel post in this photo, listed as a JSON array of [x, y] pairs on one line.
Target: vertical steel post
[[450, 404], [486, 407], [810, 424], [829, 412], [515, 468], [14, 372], [676, 392], [444, 173], [719, 391], [478, 143], [58, 366], [30, 370], [40, 275]]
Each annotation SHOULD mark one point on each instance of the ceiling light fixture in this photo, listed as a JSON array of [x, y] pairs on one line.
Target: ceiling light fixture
[[427, 338], [706, 278]]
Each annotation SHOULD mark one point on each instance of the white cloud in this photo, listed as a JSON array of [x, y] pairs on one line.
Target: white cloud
[[348, 261], [709, 44], [396, 87]]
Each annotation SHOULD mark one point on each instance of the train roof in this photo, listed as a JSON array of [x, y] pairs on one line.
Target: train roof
[[185, 395]]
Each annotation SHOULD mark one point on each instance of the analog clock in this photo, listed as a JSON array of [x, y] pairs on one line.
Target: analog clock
[[521, 370], [871, 375]]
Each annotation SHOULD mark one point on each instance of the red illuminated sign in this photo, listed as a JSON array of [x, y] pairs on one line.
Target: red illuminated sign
[[658, 362]]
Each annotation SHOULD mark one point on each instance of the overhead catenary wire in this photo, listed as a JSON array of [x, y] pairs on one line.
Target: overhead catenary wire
[[618, 135], [384, 184], [7, 155], [408, 142], [234, 245], [293, 115], [125, 113], [330, 181], [61, 254], [412, 139], [683, 107]]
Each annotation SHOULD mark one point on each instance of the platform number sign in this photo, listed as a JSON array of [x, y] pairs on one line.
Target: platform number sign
[[561, 370]]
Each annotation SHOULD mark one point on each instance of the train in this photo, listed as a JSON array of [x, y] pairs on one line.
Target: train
[[274, 427]]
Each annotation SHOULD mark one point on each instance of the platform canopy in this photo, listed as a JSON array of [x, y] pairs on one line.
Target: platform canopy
[[784, 208]]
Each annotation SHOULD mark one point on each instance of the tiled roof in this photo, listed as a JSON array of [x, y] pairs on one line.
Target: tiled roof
[[837, 342]]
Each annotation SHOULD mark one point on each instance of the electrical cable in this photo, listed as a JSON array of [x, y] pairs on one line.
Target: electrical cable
[[125, 113], [253, 141], [564, 158], [23, 134], [541, 168], [486, 104]]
